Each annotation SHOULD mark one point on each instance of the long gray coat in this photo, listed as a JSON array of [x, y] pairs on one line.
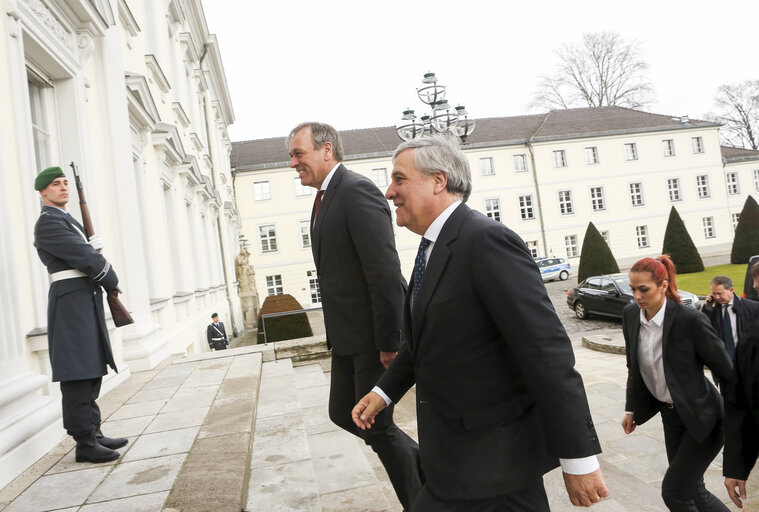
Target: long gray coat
[[77, 335]]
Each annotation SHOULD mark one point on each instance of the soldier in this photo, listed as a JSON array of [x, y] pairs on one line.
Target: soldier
[[77, 335], [216, 334]]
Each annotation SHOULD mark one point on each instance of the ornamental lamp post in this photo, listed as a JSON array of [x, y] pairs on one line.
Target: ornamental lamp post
[[443, 118]]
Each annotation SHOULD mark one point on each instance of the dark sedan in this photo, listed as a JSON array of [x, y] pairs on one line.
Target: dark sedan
[[608, 295]]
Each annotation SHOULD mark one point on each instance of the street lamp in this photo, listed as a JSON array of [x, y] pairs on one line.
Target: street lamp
[[443, 117]]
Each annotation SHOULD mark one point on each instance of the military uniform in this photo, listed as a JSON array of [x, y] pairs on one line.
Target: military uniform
[[217, 336]]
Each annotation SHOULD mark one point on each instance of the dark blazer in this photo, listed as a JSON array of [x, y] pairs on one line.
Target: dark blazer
[[76, 332], [212, 333], [742, 407], [746, 312], [498, 398], [688, 343], [359, 272]]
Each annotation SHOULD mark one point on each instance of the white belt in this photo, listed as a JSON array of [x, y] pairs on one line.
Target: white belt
[[66, 274]]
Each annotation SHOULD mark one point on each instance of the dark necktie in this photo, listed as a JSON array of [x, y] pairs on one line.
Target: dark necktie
[[727, 333], [318, 203], [418, 273]]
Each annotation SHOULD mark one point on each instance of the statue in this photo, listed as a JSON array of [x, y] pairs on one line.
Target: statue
[[246, 288]]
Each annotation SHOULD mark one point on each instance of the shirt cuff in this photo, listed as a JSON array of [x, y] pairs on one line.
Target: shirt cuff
[[581, 466], [383, 395]]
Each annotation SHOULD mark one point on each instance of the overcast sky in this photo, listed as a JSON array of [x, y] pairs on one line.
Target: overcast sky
[[357, 64]]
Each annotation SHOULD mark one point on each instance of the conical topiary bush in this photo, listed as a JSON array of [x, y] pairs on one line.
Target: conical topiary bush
[[746, 241], [680, 247], [596, 257]]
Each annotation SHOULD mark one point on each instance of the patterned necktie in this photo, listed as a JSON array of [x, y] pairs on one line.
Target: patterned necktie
[[418, 273], [727, 334], [318, 203]]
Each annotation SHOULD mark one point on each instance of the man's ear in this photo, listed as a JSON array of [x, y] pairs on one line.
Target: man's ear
[[441, 181], [327, 149]]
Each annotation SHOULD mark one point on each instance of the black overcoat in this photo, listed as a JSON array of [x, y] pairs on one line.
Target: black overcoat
[[76, 331]]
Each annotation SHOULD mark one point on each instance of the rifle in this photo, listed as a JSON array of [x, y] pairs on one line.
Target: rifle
[[119, 312]]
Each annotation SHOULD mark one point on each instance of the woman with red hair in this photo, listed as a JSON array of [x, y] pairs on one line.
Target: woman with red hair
[[668, 345]]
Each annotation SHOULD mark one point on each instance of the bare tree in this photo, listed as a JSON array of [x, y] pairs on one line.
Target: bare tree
[[603, 69], [739, 114]]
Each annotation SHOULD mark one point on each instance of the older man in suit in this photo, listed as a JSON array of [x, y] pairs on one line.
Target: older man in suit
[[361, 290], [499, 402], [729, 314]]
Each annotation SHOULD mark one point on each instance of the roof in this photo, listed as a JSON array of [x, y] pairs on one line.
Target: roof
[[553, 125], [733, 155]]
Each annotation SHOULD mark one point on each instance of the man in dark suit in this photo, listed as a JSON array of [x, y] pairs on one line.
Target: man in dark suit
[[728, 313], [361, 290], [216, 334], [742, 409], [76, 332], [498, 399]]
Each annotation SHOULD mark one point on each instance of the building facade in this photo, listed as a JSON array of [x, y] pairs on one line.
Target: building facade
[[545, 176], [134, 93]]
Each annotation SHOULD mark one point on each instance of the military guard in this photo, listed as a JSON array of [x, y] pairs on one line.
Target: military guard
[[216, 334], [77, 335]]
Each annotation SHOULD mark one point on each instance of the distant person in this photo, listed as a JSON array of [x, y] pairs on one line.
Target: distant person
[[667, 346], [498, 399], [728, 313], [742, 409], [216, 334], [362, 287], [77, 334]]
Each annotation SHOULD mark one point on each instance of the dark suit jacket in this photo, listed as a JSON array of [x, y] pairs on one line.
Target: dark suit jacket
[[688, 343], [498, 398], [76, 332], [359, 272], [742, 407], [746, 311], [212, 333]]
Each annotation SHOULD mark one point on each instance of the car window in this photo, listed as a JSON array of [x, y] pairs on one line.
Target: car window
[[608, 286], [593, 283], [542, 263], [623, 283]]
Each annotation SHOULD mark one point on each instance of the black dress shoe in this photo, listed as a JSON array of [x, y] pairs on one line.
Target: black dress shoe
[[111, 442], [89, 450]]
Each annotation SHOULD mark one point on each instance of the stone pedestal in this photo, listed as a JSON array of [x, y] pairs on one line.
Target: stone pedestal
[[249, 305]]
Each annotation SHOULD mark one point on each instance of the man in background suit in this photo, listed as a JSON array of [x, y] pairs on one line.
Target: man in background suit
[[216, 334], [498, 398], [728, 313], [361, 288]]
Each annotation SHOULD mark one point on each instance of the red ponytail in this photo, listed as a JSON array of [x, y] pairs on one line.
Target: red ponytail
[[661, 269]]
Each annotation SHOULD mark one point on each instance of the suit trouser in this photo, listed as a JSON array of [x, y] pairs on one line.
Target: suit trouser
[[683, 488], [353, 377], [81, 414], [530, 499]]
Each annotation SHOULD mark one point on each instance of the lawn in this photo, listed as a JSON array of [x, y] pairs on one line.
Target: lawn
[[698, 282]]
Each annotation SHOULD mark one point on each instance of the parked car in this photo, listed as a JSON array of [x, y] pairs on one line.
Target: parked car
[[554, 268], [608, 295], [748, 283]]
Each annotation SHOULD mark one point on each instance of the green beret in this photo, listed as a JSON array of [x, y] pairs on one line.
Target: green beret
[[214, 315], [47, 176]]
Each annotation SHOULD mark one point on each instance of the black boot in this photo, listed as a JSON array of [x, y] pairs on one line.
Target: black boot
[[89, 450], [110, 442]]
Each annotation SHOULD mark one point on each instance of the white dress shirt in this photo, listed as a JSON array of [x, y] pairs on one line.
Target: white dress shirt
[[727, 309], [650, 360]]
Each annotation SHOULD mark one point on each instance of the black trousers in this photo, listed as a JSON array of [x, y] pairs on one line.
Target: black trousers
[[683, 487], [353, 377], [81, 414], [530, 499]]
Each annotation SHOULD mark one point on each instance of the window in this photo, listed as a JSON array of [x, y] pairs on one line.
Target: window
[[631, 151], [379, 177], [486, 166], [304, 226], [591, 155], [605, 236], [565, 202], [300, 189], [520, 163], [673, 187], [708, 227], [268, 236], [597, 199], [732, 183], [702, 185], [41, 107], [698, 144], [525, 207], [313, 287], [493, 209], [636, 193], [736, 217], [274, 285], [642, 233], [756, 180], [559, 158], [668, 145], [261, 191], [570, 242], [532, 245]]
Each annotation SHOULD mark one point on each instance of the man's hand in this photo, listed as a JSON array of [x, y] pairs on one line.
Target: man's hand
[[628, 425], [585, 490], [731, 484], [96, 241], [709, 299], [366, 409], [387, 357]]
